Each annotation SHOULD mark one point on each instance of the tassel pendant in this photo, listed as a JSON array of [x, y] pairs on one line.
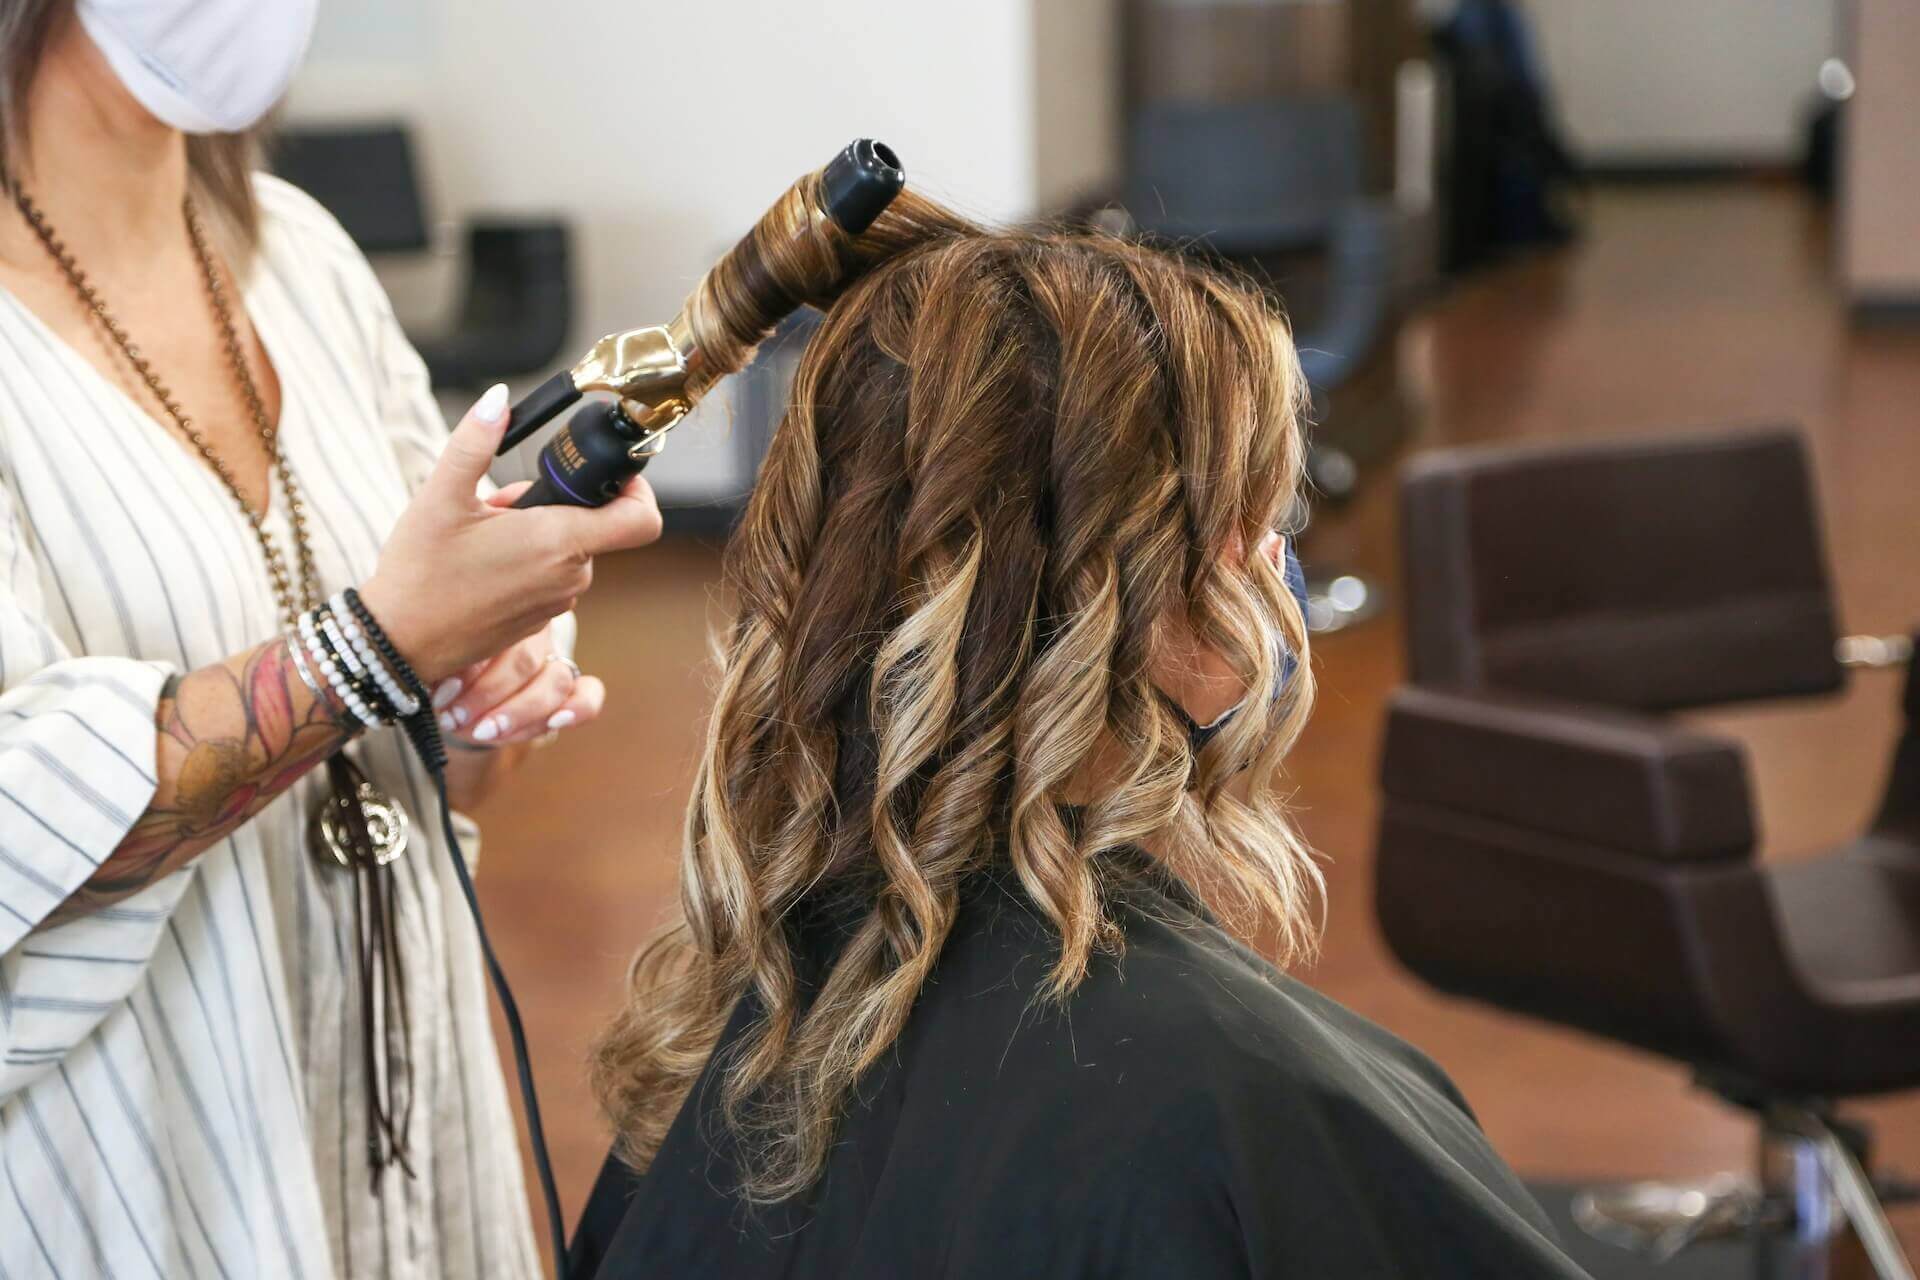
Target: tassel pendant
[[362, 831], [357, 823]]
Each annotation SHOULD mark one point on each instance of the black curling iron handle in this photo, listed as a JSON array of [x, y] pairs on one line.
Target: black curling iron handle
[[537, 408], [588, 461]]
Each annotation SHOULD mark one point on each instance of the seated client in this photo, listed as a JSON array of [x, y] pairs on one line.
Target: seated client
[[987, 802]]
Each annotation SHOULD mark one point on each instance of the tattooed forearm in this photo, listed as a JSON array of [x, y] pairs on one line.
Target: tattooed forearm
[[232, 737]]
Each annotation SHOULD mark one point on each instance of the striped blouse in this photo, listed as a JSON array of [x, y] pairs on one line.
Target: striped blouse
[[180, 1083]]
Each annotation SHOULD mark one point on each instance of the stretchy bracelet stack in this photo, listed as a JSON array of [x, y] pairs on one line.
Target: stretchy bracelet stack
[[346, 660]]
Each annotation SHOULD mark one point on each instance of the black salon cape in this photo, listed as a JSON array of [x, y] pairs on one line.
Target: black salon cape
[[1190, 1113]]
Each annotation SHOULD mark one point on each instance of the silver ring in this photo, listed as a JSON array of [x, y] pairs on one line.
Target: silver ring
[[571, 664]]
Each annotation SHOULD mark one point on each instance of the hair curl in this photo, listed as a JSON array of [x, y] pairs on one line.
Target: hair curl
[[1010, 458]]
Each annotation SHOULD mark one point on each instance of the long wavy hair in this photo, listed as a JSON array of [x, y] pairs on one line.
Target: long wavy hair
[[1013, 465]]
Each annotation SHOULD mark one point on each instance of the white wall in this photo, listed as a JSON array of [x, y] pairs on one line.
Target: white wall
[[1077, 103], [1880, 184], [1653, 80], [663, 131]]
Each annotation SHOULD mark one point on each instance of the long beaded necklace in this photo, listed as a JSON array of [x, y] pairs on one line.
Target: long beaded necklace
[[290, 604], [356, 827]]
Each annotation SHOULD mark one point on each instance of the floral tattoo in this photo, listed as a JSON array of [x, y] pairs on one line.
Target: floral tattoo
[[233, 736]]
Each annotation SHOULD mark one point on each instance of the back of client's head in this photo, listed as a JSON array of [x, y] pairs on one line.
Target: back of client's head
[[1021, 474]]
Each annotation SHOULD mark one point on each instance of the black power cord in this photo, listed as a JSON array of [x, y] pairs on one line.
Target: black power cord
[[523, 1065], [424, 733]]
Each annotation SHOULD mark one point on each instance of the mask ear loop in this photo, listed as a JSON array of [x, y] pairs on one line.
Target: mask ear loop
[[1199, 735]]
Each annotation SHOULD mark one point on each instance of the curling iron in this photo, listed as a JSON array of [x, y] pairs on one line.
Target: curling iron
[[658, 373]]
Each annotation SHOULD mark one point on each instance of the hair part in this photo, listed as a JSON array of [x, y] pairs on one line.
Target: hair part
[[219, 166], [1008, 458]]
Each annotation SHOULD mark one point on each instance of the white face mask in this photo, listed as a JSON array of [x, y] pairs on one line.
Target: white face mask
[[202, 66]]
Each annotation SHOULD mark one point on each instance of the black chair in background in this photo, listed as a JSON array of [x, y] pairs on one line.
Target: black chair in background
[[516, 308], [1262, 185], [364, 177], [1551, 844]]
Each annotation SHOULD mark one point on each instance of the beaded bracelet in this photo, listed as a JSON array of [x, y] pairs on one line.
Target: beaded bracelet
[[324, 656], [403, 703], [349, 666], [420, 726], [376, 683], [401, 669]]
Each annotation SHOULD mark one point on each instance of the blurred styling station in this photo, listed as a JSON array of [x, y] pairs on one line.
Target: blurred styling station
[[1609, 315]]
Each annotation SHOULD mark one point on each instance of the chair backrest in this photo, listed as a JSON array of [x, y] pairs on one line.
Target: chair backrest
[[1245, 176], [518, 309], [1652, 573], [363, 175]]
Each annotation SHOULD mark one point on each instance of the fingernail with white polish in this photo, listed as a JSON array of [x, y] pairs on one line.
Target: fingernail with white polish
[[447, 692], [447, 724], [491, 405], [559, 719], [489, 729], [459, 717]]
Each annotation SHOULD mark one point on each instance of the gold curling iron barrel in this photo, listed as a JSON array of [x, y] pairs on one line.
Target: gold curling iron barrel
[[657, 374]]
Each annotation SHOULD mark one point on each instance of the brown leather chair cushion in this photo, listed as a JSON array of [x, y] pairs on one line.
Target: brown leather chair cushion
[[1671, 572], [1614, 780]]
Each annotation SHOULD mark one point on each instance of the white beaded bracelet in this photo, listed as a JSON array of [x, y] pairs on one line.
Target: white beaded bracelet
[[335, 677], [403, 702], [331, 626]]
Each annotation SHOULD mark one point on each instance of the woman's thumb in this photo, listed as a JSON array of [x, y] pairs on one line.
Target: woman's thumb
[[470, 447]]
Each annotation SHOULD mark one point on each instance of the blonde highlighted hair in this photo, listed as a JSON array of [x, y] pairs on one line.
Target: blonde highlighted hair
[[1012, 462]]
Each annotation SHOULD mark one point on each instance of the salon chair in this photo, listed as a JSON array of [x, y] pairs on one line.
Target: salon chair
[[516, 309], [1553, 844], [516, 305], [1260, 184]]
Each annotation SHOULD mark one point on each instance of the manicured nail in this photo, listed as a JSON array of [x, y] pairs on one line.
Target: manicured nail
[[449, 690], [460, 715], [447, 723], [489, 729], [559, 719], [491, 405]]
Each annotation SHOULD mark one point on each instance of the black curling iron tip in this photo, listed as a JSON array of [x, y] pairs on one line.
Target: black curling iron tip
[[859, 183]]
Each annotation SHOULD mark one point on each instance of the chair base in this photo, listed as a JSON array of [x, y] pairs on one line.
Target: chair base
[[1813, 1214], [1756, 1255]]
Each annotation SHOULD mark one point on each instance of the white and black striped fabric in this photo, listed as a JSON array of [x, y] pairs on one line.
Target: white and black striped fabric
[[180, 1084]]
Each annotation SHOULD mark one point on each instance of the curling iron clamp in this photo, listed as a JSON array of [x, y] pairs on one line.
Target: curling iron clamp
[[658, 373]]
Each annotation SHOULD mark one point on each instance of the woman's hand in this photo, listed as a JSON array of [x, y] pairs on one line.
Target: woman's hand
[[461, 579], [520, 694]]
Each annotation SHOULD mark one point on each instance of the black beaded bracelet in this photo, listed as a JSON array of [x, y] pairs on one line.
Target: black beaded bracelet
[[349, 663], [398, 665], [327, 662], [420, 726]]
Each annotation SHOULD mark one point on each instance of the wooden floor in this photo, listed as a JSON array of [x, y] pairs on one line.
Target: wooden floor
[[1684, 307]]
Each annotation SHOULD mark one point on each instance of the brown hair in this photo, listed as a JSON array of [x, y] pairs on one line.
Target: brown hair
[[1009, 458], [219, 166]]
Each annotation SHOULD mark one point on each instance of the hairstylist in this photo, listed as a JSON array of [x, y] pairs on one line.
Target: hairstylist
[[225, 1048]]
